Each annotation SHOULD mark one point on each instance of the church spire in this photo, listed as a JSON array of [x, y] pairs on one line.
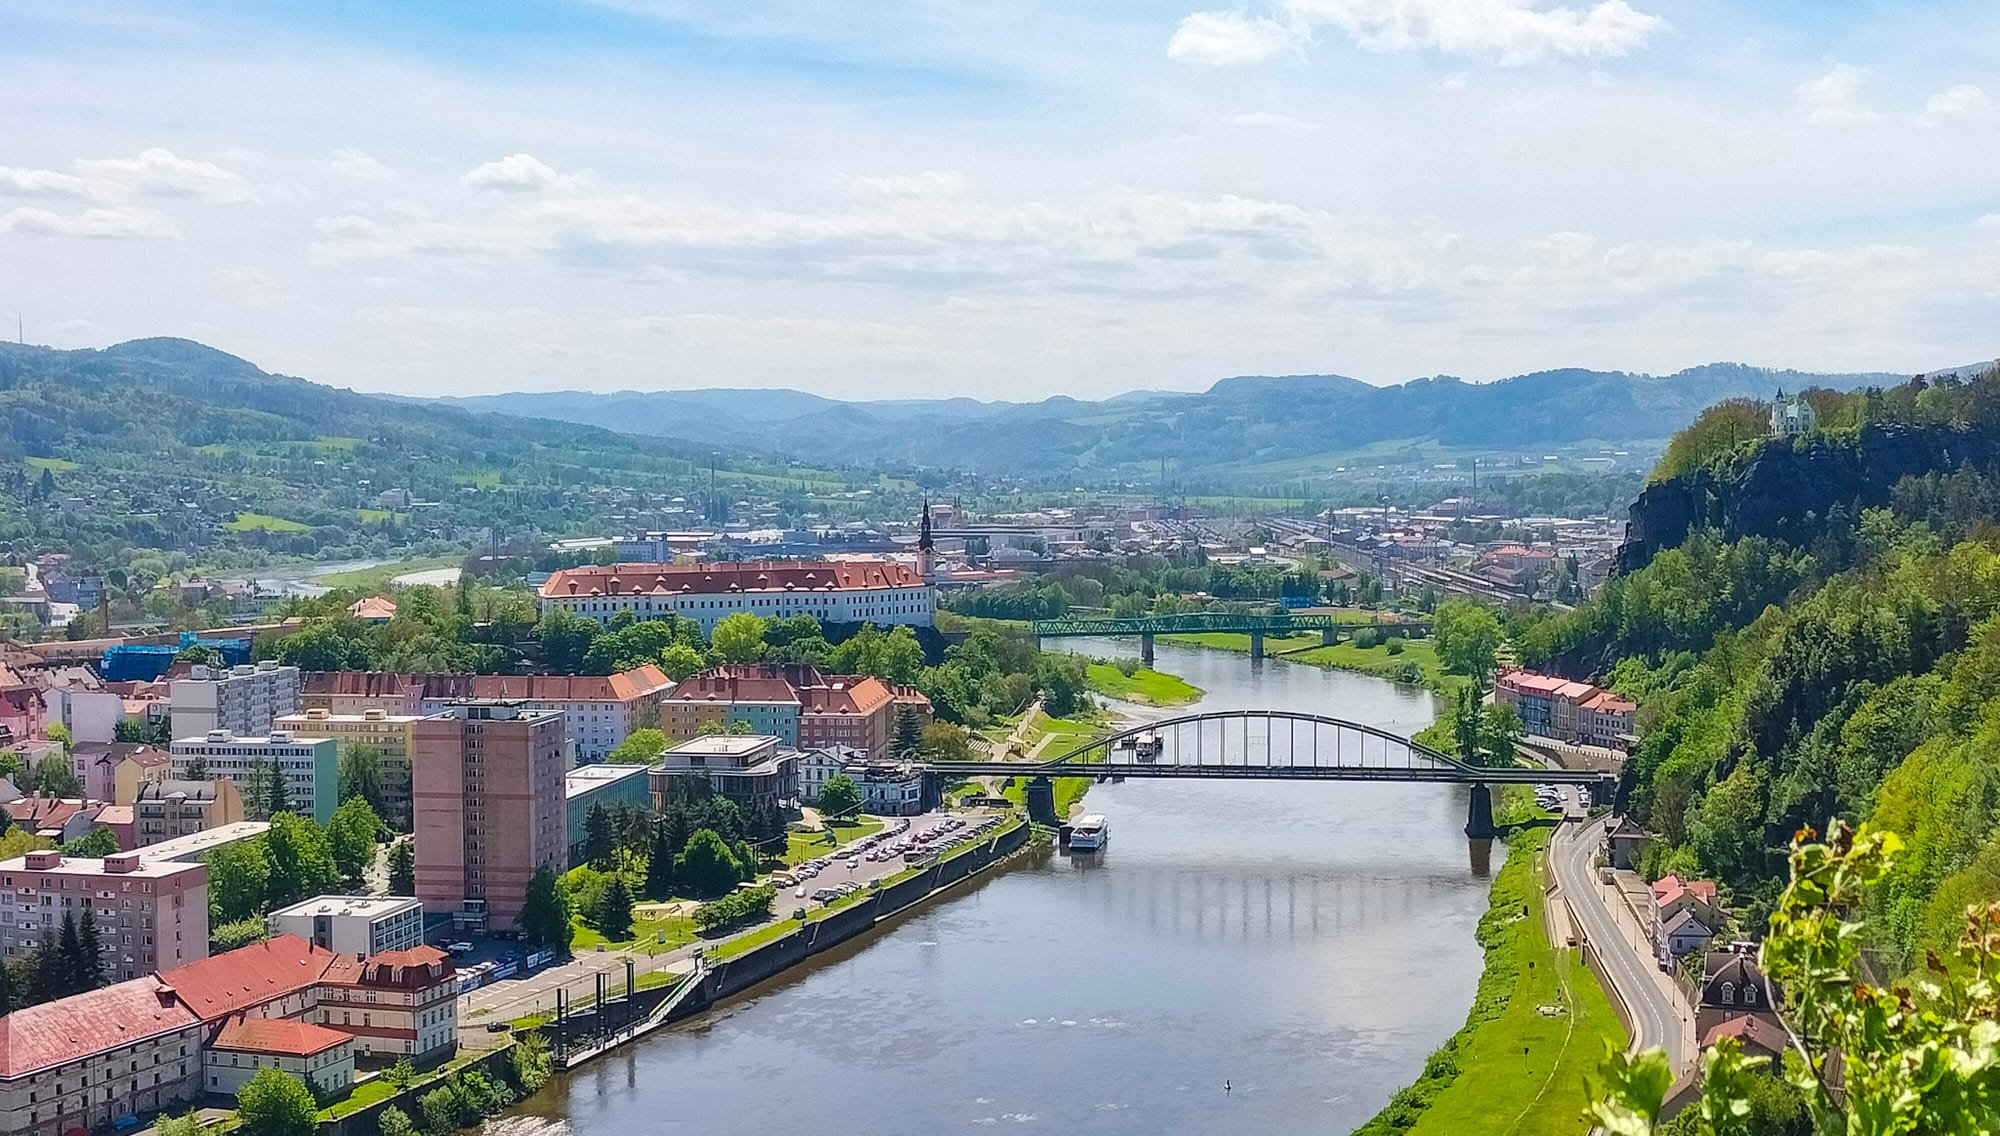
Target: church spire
[[924, 542]]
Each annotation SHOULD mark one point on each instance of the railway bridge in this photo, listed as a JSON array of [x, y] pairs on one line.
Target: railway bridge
[[1278, 745], [1330, 626]]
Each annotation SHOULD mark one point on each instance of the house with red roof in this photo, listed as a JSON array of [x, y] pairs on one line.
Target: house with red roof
[[831, 591], [394, 1004], [83, 1062], [277, 978], [321, 1057]]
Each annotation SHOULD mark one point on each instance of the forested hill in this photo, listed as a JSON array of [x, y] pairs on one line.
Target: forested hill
[[1254, 425], [1845, 664], [167, 444]]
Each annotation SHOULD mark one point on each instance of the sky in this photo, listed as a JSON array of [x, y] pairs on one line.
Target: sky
[[917, 198]]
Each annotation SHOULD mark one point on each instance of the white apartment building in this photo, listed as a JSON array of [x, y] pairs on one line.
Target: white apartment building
[[352, 924], [832, 591], [244, 700], [151, 914], [311, 766]]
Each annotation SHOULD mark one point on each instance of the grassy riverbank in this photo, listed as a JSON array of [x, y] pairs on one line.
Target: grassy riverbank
[[1513, 1070], [1151, 687]]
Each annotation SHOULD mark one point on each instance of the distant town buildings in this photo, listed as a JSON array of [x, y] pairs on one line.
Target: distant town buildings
[[832, 591], [488, 801], [598, 710], [1568, 711], [793, 702], [391, 735], [310, 765], [244, 700], [150, 914]]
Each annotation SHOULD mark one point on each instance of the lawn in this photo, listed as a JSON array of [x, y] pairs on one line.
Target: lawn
[[250, 522], [376, 1088], [1514, 1070], [379, 516], [678, 931], [803, 846], [54, 465], [1154, 688], [378, 577]]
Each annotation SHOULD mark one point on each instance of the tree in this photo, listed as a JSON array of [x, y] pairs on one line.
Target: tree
[[402, 869], [439, 1108], [839, 797], [1468, 638], [188, 1124], [275, 1103], [1499, 730], [565, 639], [239, 879], [600, 839], [391, 1121], [276, 794], [739, 637], [545, 910], [70, 965], [99, 842], [56, 777], [130, 730], [640, 747], [351, 838], [302, 862], [709, 866], [947, 741], [361, 775], [89, 961], [613, 916], [1909, 1060], [909, 739], [680, 660], [197, 769]]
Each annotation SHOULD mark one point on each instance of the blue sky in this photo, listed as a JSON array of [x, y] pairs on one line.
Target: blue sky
[[908, 198]]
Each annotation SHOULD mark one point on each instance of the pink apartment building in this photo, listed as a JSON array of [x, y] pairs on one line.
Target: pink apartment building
[[151, 914], [487, 795]]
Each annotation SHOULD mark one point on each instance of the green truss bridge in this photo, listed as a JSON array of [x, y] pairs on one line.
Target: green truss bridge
[[1330, 625]]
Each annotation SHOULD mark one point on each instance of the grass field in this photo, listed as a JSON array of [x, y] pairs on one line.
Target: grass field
[[379, 576], [378, 516], [251, 522], [1154, 688], [54, 465], [678, 931], [803, 846], [1514, 1070]]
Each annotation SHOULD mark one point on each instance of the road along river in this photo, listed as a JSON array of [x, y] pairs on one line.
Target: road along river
[[1305, 945]]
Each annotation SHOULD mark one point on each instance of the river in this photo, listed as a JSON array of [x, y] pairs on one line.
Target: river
[[1309, 944]]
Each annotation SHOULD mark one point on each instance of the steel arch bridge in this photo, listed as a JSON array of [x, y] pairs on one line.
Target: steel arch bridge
[[1330, 625], [1282, 745]]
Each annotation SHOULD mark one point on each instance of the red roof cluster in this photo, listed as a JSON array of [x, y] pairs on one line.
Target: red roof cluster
[[621, 687], [55, 1033], [249, 976], [281, 1036], [723, 578]]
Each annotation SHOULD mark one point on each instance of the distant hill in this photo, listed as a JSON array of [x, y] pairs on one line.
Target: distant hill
[[1278, 426]]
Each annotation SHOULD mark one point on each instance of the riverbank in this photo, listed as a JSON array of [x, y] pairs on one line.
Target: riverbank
[[1144, 686], [1536, 1032], [1412, 662]]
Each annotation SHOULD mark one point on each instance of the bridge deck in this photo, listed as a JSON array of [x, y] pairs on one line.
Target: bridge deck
[[1195, 623], [1443, 775]]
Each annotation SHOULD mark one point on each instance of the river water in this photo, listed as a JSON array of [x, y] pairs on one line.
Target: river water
[[1308, 944]]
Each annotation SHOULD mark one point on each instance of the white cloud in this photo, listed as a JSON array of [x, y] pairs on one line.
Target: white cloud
[[1456, 81], [522, 173], [1232, 39], [163, 173], [358, 164], [1960, 102], [1507, 31], [1988, 224], [1834, 99], [111, 223], [1261, 119], [930, 183], [18, 182]]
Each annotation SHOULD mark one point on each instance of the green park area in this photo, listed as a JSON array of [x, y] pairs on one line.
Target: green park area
[[378, 577], [254, 522], [53, 465], [1154, 688]]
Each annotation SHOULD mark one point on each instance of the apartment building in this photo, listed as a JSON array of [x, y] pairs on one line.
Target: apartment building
[[101, 766], [390, 734], [353, 924], [1567, 711], [150, 914], [244, 700], [80, 1063], [832, 591], [599, 711], [796, 703], [749, 770], [169, 810], [587, 787], [394, 1003], [488, 800], [311, 765]]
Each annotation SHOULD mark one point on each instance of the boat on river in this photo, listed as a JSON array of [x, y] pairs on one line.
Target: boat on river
[[1090, 833]]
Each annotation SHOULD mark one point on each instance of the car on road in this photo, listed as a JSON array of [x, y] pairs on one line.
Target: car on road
[[458, 948]]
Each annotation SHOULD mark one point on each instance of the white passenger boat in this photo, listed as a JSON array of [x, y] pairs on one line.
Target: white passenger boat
[[1090, 833]]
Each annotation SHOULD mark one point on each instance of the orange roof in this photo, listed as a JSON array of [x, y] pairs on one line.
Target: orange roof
[[249, 976], [624, 686], [1608, 703], [373, 607], [1669, 888], [406, 969], [69, 1029], [1756, 1033], [277, 1035], [723, 578]]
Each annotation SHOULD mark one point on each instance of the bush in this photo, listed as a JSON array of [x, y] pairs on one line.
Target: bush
[[735, 907], [241, 933], [393, 1121], [530, 1062], [439, 1108], [1127, 666], [1395, 646], [1367, 639], [1408, 673]]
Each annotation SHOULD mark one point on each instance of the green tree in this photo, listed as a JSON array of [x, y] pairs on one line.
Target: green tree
[[909, 739], [99, 842], [402, 869], [275, 1103], [1468, 638], [680, 660], [302, 863], [600, 838], [90, 952], [197, 770], [56, 777], [239, 880], [708, 865], [565, 640], [613, 917], [839, 797], [276, 792], [70, 965], [188, 1124], [545, 911], [1499, 730], [439, 1108], [947, 741], [739, 637], [660, 859], [640, 747], [1720, 430], [393, 1121], [130, 730], [351, 838], [361, 775], [338, 644]]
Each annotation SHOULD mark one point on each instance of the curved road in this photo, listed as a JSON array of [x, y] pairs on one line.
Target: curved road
[[1655, 1020]]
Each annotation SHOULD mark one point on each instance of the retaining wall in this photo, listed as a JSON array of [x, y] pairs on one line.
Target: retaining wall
[[361, 1122]]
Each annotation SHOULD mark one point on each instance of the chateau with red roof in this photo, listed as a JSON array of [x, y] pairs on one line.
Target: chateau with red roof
[[832, 591]]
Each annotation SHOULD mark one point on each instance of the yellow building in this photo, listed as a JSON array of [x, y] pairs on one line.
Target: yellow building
[[393, 734]]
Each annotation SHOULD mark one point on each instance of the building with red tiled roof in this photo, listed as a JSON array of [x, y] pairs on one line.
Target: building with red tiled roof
[[400, 1003], [1759, 1035], [793, 702], [373, 609], [1555, 707], [277, 978], [322, 1057], [831, 591], [85, 1061], [598, 710]]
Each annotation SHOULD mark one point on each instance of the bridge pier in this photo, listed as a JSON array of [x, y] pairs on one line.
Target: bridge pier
[[1328, 636], [1146, 648], [1256, 644], [1041, 800], [1479, 814]]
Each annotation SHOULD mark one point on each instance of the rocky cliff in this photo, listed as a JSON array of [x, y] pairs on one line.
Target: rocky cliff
[[1786, 488]]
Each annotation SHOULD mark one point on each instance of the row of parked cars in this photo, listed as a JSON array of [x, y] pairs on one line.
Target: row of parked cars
[[953, 830]]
